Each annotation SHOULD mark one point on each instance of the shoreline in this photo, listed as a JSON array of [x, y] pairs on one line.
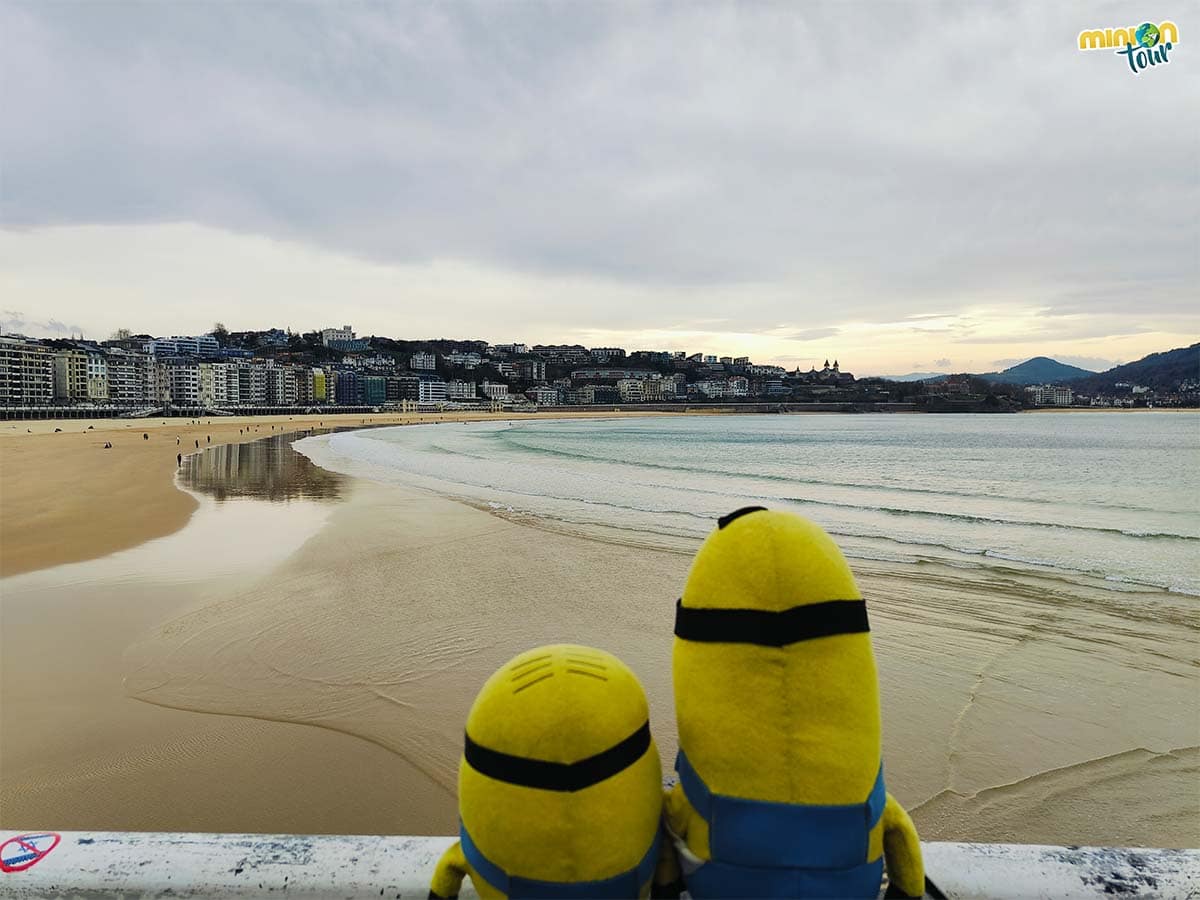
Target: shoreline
[[54, 486]]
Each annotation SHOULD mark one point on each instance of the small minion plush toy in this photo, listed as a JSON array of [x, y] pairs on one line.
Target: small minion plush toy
[[560, 786], [781, 789]]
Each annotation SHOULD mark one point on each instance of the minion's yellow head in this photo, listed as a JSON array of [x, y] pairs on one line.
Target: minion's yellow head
[[560, 780], [776, 692]]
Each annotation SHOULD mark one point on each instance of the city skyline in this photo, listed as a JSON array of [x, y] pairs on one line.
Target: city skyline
[[934, 200]]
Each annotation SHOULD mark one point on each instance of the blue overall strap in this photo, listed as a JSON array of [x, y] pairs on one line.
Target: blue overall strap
[[758, 833], [626, 885]]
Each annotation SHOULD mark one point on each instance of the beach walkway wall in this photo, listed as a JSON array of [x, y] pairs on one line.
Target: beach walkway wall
[[137, 864]]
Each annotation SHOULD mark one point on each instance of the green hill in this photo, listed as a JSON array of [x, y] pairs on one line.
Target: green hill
[[1039, 370], [1160, 371]]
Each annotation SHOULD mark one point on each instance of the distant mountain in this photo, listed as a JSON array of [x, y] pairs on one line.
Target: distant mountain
[[1160, 371], [1039, 370]]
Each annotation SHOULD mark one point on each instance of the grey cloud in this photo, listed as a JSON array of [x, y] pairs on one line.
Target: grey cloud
[[663, 144], [943, 363], [17, 322], [814, 334]]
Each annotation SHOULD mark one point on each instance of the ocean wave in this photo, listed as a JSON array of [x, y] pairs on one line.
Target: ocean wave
[[970, 517], [887, 510], [564, 494], [506, 437]]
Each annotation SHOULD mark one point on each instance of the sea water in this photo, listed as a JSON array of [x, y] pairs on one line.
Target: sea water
[[1107, 495]]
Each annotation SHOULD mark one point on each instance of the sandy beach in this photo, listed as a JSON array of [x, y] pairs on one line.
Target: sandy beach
[[1016, 707], [58, 482]]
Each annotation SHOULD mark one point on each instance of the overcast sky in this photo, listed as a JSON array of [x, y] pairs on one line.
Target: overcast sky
[[904, 186]]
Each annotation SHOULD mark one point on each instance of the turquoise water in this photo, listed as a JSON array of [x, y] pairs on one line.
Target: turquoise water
[[1108, 495]]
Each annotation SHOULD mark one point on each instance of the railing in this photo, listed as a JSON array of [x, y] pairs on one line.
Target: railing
[[99, 864]]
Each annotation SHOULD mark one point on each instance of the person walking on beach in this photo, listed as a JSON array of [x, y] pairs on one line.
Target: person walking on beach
[[197, 444], [145, 437], [208, 439], [179, 459]]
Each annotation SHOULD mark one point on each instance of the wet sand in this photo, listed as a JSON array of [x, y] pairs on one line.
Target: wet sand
[[1016, 708], [65, 498]]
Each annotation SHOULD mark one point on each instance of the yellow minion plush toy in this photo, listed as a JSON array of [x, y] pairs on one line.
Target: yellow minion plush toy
[[560, 786], [781, 789]]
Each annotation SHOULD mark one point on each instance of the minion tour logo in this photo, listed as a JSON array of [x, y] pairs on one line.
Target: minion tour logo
[[1143, 46]]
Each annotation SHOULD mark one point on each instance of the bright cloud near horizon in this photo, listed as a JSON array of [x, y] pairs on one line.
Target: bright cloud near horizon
[[902, 186]]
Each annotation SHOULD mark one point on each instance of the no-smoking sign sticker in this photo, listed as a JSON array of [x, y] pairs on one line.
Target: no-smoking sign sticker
[[25, 850]]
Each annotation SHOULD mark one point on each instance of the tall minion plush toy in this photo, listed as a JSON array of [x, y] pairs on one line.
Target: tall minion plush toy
[[781, 789], [560, 786]]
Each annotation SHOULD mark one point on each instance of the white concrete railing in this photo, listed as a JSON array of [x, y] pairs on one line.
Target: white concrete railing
[[107, 864]]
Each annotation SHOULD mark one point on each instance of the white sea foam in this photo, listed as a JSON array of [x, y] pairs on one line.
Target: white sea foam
[[1109, 496]]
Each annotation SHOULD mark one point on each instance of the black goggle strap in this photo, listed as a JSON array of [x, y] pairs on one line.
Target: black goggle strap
[[771, 629], [555, 776]]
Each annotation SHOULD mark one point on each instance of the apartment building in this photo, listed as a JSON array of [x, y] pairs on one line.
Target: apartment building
[[332, 336], [461, 390], [403, 387], [563, 354], [631, 390], [214, 384], [604, 354], [530, 369], [132, 377], [376, 363], [70, 375], [193, 345], [494, 390], [97, 374], [580, 396], [431, 390], [1050, 395], [423, 361], [543, 396], [611, 375], [374, 390], [305, 385], [349, 388], [26, 373], [281, 385], [674, 386], [464, 360], [182, 378], [653, 356], [252, 385]]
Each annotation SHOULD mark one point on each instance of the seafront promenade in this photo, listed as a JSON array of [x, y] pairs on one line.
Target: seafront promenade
[[120, 864]]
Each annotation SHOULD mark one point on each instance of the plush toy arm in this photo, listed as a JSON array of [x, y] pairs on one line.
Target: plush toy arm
[[677, 811], [449, 874], [902, 850]]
